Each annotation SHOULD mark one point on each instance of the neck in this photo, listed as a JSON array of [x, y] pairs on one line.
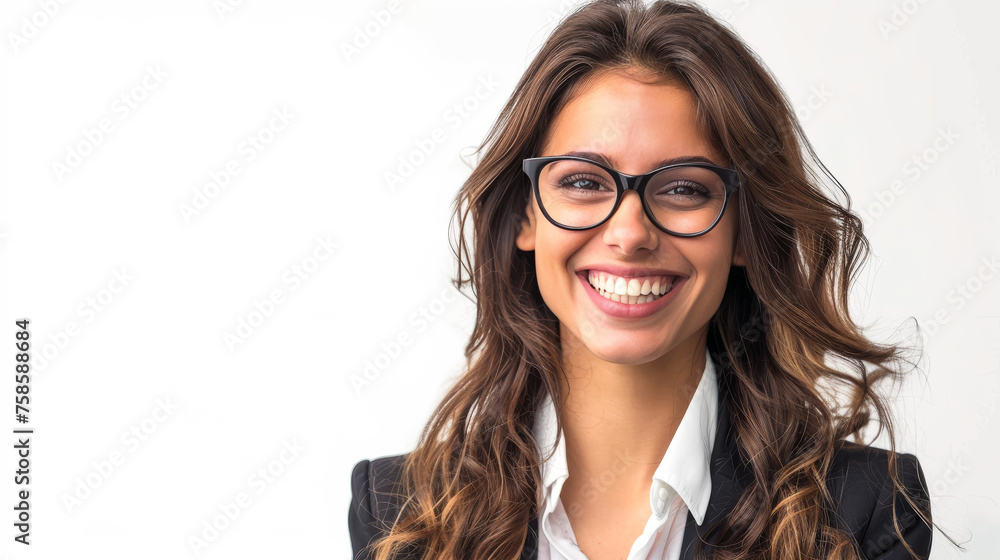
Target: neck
[[619, 419]]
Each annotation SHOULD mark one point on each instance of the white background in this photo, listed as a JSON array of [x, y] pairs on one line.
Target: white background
[[887, 94]]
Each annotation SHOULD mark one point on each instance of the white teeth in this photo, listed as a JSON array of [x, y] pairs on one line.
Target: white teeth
[[630, 291], [634, 288], [621, 286]]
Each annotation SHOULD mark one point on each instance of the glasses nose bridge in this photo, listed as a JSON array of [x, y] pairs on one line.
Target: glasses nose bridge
[[632, 182]]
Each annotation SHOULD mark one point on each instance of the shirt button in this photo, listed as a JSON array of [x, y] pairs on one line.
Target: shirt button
[[658, 499]]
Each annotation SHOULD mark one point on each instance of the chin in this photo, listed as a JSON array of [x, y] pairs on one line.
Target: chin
[[628, 359], [625, 352]]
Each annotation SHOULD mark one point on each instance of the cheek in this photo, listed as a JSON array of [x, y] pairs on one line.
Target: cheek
[[553, 246], [553, 253], [716, 255], [714, 276], [713, 261]]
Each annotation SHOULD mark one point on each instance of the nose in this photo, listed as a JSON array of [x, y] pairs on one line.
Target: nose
[[629, 228]]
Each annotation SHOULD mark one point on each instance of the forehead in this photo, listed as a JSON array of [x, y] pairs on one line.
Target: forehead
[[631, 120]]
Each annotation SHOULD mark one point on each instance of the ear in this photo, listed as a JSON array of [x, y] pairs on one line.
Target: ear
[[738, 258], [526, 237]]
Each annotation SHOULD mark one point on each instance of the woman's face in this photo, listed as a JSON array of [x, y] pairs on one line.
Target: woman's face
[[633, 126]]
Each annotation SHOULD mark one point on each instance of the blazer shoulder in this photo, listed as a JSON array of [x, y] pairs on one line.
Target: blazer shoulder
[[376, 496], [859, 483]]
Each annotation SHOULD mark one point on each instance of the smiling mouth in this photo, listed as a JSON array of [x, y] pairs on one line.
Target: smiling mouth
[[630, 290]]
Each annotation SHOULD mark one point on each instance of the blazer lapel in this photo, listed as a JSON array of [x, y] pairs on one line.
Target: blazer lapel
[[530, 550], [728, 479]]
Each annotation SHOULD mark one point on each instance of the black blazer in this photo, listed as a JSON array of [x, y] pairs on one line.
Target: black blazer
[[857, 480]]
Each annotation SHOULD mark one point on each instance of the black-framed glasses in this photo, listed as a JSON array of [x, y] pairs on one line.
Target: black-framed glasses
[[684, 199]]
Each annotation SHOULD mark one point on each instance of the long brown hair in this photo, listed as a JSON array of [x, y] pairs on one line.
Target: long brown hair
[[473, 483]]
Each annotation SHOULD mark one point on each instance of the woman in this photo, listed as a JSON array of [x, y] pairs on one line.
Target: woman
[[652, 374]]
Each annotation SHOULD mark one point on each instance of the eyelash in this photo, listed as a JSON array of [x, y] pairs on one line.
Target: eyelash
[[569, 182]]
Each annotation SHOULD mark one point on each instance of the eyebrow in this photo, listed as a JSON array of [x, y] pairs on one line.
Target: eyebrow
[[662, 163]]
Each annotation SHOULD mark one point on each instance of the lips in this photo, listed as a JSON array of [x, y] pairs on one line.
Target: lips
[[620, 309]]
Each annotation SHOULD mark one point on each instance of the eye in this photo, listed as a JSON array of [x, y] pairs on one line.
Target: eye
[[681, 194], [584, 182], [688, 189], [682, 189], [576, 181], [685, 187]]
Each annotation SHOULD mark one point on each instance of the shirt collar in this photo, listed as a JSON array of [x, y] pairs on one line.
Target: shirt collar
[[684, 466]]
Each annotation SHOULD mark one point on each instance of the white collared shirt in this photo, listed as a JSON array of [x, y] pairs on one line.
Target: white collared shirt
[[681, 483]]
